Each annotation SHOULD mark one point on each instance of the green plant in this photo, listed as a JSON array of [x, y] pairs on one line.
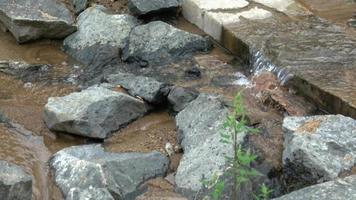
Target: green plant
[[238, 165], [264, 193]]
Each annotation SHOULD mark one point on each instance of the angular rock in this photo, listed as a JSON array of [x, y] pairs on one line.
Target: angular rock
[[142, 7], [94, 112], [340, 189], [324, 146], [199, 126], [90, 193], [79, 5], [33, 19], [180, 97], [147, 88], [121, 174], [100, 35], [15, 183], [157, 43]]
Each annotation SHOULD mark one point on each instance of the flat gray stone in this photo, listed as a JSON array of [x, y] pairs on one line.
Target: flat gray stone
[[142, 7], [15, 183], [89, 170], [324, 145], [157, 43], [199, 126], [339, 189], [33, 19], [94, 112], [147, 88], [100, 36]]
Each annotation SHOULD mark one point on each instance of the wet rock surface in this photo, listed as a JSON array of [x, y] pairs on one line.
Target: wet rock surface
[[120, 174], [100, 36], [94, 112], [33, 19], [15, 183], [324, 146], [142, 7], [198, 131], [24, 71], [90, 193], [147, 88], [180, 97], [339, 189], [158, 43]]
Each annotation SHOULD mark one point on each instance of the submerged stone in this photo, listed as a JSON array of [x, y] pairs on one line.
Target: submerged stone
[[34, 19], [180, 97], [88, 171], [94, 112]]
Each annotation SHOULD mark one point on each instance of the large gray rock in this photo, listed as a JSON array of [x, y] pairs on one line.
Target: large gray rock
[[180, 97], [157, 43], [94, 112], [142, 7], [14, 182], [340, 189], [147, 88], [90, 193], [324, 146], [199, 126], [100, 35], [89, 170], [33, 19], [79, 5]]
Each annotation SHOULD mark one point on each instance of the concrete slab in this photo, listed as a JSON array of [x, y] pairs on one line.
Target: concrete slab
[[313, 55], [194, 10]]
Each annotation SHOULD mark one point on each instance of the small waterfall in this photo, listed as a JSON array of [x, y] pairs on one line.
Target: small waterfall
[[260, 63]]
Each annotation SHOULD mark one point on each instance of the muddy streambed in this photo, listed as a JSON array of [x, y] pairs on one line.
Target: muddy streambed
[[22, 103]]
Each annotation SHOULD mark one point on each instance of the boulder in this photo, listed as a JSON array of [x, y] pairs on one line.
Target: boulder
[[33, 19], [94, 112], [100, 35], [88, 171], [142, 7], [90, 193], [323, 146], [158, 43], [199, 126], [180, 97], [339, 189], [147, 88], [15, 183], [79, 5]]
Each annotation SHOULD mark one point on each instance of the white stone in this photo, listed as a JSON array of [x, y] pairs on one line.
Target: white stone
[[194, 10], [214, 21], [280, 5]]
